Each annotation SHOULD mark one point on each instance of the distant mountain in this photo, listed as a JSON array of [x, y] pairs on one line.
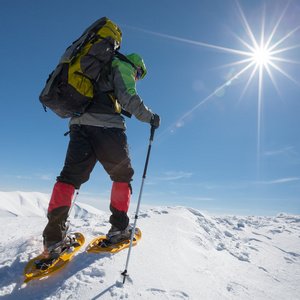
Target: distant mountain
[[35, 204]]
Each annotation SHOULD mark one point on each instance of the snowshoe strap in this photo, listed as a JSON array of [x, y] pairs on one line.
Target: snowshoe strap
[[110, 234], [51, 248], [67, 242]]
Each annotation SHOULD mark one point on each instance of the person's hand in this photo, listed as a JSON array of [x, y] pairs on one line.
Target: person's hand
[[155, 121]]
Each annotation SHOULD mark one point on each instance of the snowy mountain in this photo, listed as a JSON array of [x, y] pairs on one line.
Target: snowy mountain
[[13, 204], [183, 254]]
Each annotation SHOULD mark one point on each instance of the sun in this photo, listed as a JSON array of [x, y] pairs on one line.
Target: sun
[[262, 56]]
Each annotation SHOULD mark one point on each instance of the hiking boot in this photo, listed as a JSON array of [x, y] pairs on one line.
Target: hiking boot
[[115, 236], [53, 252]]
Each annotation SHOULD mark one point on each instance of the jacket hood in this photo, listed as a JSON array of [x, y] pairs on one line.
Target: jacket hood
[[138, 61]]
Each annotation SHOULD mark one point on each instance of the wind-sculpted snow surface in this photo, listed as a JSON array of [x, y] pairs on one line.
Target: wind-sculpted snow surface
[[183, 254]]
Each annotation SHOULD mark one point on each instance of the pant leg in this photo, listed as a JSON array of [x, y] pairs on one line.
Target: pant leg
[[111, 149], [60, 202], [79, 163]]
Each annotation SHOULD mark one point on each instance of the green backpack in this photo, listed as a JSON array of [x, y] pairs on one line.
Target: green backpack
[[70, 87]]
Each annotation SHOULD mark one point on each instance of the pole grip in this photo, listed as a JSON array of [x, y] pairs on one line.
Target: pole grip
[[152, 133]]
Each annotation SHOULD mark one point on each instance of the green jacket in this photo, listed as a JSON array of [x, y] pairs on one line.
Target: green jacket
[[121, 85]]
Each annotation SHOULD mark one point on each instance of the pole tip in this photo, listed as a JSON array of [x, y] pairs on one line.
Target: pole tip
[[125, 274]]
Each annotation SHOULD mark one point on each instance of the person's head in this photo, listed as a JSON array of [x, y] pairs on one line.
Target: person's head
[[140, 71]]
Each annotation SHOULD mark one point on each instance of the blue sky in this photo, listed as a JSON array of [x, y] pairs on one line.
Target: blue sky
[[229, 142]]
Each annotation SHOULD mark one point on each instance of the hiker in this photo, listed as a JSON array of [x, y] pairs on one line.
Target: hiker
[[99, 135]]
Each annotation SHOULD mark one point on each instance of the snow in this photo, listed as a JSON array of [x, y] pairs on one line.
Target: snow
[[183, 254]]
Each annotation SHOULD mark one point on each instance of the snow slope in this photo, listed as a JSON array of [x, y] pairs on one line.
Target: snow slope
[[35, 205], [183, 254]]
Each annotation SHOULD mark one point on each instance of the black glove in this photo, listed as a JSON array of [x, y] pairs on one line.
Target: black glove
[[155, 121]]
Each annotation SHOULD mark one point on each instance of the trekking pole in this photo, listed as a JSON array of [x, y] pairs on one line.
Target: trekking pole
[[73, 203], [71, 208], [125, 274]]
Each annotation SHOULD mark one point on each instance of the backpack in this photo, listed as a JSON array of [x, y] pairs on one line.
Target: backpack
[[70, 87]]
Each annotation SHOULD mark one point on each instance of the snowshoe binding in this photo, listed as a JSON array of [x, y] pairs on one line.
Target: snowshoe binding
[[114, 241], [53, 253], [54, 258], [115, 236]]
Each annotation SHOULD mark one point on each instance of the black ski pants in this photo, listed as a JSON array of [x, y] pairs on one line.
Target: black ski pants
[[89, 144]]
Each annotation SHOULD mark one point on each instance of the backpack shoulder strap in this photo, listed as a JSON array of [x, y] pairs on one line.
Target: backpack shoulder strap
[[122, 57]]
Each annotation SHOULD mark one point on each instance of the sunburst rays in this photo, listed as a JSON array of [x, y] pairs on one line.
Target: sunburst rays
[[261, 57]]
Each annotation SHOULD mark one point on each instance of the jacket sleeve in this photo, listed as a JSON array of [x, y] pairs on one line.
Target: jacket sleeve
[[125, 91]]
